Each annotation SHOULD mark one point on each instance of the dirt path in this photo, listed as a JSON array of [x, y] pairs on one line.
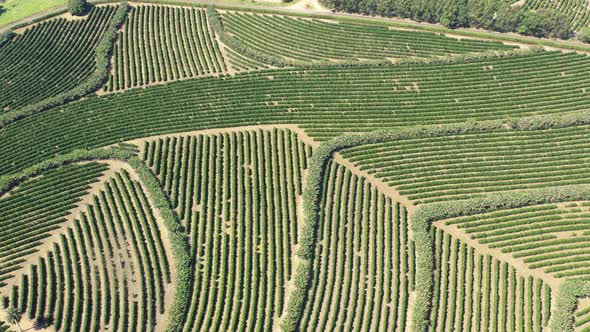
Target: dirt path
[[54, 236], [378, 183], [313, 5], [518, 264]]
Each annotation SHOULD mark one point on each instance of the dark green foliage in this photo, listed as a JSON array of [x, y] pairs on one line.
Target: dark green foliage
[[545, 23], [77, 7], [488, 14], [6, 36], [454, 13], [584, 35], [507, 19], [482, 13], [77, 85]]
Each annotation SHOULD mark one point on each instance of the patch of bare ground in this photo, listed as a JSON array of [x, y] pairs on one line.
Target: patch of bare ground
[[312, 5]]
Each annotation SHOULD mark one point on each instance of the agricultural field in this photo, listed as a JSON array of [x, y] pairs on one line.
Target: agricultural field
[[178, 167]]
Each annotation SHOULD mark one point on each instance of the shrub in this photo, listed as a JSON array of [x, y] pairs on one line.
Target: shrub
[[6, 36], [92, 83], [77, 7], [583, 35]]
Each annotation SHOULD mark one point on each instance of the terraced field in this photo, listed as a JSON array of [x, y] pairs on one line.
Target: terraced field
[[364, 270], [576, 11], [305, 40], [161, 43], [447, 168], [179, 168], [67, 48], [236, 194]]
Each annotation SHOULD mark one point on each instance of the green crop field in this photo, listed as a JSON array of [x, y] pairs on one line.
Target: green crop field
[[180, 167]]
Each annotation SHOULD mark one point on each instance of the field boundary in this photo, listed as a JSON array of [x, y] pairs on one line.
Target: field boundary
[[424, 215], [93, 82], [343, 17], [151, 184]]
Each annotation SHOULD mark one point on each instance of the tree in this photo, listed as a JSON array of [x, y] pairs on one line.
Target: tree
[[13, 317], [559, 25], [533, 24], [584, 34], [454, 13], [507, 18], [77, 7], [481, 13], [545, 23]]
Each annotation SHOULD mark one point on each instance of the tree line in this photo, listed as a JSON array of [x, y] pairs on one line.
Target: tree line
[[498, 15]]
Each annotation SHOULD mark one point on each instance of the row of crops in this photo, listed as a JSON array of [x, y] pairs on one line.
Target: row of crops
[[325, 101], [107, 270], [582, 316], [309, 40], [576, 11], [163, 43], [551, 238], [477, 292], [31, 212], [236, 195], [363, 269], [49, 58], [447, 168]]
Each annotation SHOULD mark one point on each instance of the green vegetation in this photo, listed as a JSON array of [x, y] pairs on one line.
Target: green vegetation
[[235, 194], [371, 289], [544, 237], [30, 212], [305, 41], [576, 11], [25, 80], [294, 173], [326, 101], [77, 7], [14, 10], [541, 18], [161, 43], [475, 292], [464, 166], [81, 273]]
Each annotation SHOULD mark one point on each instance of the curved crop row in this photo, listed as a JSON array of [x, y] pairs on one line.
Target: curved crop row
[[547, 237], [455, 167], [576, 11], [306, 41], [109, 269], [36, 208], [363, 267], [236, 194], [50, 58], [162, 43], [326, 101]]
